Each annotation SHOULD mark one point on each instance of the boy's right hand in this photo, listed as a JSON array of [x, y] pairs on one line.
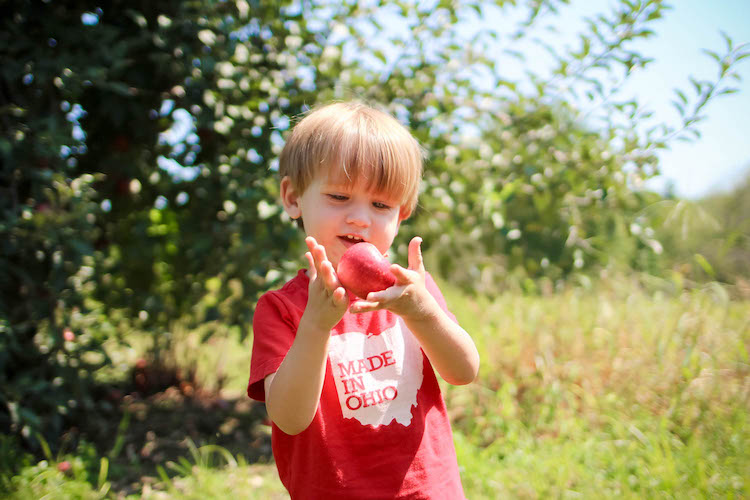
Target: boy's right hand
[[327, 300]]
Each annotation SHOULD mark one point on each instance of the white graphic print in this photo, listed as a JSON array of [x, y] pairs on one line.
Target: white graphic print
[[377, 376]]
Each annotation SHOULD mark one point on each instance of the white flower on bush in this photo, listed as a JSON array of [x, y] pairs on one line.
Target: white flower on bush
[[230, 207], [225, 83], [265, 209], [241, 54], [207, 36], [497, 220], [225, 68], [224, 125], [330, 52], [293, 42], [655, 246], [451, 151], [578, 258], [243, 9], [164, 21], [514, 234]]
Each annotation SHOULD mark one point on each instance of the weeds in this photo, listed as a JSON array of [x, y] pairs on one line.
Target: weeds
[[616, 391]]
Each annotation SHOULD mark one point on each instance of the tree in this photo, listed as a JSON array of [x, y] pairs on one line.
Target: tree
[[112, 216], [93, 229], [538, 176]]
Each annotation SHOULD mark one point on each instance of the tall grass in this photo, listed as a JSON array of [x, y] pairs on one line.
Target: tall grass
[[613, 392], [607, 392]]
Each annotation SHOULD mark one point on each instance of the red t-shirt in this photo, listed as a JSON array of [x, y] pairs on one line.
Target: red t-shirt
[[381, 430]]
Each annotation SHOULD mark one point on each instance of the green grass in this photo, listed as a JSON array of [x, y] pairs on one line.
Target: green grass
[[215, 473], [614, 392], [606, 393], [207, 472]]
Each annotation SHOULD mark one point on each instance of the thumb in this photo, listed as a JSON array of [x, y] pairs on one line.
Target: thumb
[[416, 263]]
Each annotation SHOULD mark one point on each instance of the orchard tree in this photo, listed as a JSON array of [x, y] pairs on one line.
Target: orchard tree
[[139, 144], [534, 176], [110, 215]]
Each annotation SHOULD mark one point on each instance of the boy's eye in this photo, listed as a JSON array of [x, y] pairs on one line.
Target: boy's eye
[[338, 197], [380, 205]]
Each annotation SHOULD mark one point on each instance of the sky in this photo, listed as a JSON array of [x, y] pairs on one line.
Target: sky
[[721, 157]]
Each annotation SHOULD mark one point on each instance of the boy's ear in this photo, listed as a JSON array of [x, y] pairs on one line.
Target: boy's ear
[[403, 214], [290, 198]]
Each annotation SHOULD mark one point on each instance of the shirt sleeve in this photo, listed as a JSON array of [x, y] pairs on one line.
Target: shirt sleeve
[[435, 292], [274, 330]]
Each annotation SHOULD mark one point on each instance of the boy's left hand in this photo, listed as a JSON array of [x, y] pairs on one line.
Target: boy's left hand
[[409, 297]]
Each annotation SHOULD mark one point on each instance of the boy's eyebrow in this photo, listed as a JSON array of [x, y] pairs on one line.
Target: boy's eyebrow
[[337, 186], [347, 187]]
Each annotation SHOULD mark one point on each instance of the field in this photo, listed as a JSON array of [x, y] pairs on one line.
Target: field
[[605, 392]]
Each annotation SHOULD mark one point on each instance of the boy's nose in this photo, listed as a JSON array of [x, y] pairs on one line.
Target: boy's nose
[[358, 216]]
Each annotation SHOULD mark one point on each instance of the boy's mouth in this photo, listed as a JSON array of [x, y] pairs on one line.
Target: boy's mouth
[[350, 239]]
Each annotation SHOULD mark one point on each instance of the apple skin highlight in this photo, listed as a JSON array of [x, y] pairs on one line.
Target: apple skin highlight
[[362, 269]]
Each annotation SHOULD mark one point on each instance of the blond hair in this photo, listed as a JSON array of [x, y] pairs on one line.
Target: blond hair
[[354, 142]]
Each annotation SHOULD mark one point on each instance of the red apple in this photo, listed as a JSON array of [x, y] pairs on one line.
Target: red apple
[[362, 269]]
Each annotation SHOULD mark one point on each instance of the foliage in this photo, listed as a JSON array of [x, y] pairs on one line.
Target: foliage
[[91, 222], [617, 391], [621, 390], [708, 238], [538, 175], [138, 159], [199, 478], [66, 475]]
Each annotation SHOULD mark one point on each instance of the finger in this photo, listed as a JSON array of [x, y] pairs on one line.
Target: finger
[[334, 278], [323, 253], [403, 276], [319, 258], [330, 273], [386, 295], [312, 245], [329, 276], [312, 271], [339, 296], [416, 263], [310, 242], [362, 306]]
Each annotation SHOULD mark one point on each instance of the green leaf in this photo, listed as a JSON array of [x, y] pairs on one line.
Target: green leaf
[[704, 264], [727, 39], [713, 54], [380, 55]]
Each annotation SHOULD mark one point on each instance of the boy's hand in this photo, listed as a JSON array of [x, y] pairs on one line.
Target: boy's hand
[[409, 297], [327, 300]]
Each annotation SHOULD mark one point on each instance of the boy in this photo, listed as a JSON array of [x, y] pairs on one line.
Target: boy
[[349, 385]]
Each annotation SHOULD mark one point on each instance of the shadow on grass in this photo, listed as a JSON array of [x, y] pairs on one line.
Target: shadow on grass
[[147, 431]]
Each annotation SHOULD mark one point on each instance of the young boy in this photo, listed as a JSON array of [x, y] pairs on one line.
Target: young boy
[[349, 385]]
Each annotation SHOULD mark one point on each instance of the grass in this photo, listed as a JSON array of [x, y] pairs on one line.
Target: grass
[[606, 393], [600, 393]]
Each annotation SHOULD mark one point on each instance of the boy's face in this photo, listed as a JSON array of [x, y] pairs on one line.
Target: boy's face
[[338, 215]]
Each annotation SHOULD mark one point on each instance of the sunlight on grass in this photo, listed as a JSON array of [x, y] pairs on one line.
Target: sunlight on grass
[[615, 392], [215, 473], [609, 392]]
